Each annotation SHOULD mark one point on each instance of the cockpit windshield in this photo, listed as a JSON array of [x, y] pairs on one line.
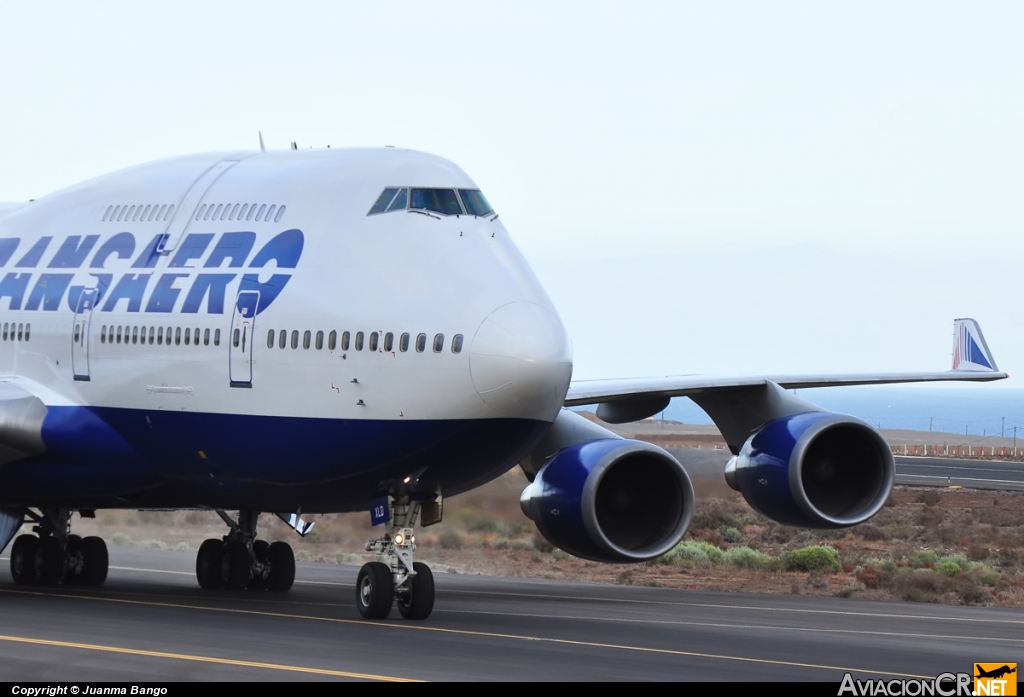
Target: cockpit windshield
[[475, 201], [443, 201]]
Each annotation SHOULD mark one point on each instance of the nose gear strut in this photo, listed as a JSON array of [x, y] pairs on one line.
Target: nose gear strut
[[395, 576]]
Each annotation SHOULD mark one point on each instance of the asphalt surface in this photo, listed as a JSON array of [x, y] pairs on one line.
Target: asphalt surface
[[974, 474], [152, 622]]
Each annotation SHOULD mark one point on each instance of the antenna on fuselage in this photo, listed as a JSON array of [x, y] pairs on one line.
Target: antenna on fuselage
[[262, 146]]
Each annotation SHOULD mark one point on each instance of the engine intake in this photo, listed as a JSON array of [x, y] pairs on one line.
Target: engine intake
[[611, 500], [815, 469]]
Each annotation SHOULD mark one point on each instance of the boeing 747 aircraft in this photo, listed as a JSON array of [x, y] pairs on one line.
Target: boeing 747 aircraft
[[305, 332]]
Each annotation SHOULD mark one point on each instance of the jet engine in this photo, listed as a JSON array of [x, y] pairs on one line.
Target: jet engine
[[611, 500], [814, 469]]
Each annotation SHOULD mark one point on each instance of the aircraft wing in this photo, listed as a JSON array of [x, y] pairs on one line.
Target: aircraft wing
[[625, 400]]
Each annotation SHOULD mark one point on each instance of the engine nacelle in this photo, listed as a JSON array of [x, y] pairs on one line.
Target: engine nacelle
[[816, 470], [611, 500]]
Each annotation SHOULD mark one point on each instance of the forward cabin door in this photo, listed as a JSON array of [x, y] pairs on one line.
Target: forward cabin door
[[240, 340], [80, 333]]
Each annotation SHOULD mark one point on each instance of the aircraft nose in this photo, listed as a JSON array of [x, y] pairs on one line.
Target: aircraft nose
[[521, 361]]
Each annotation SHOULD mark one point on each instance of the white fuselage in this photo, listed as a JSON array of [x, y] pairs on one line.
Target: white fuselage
[[326, 272]]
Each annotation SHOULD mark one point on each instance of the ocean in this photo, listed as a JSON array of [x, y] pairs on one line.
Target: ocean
[[969, 410]]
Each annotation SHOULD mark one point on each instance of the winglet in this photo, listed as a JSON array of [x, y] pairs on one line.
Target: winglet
[[970, 352], [262, 146]]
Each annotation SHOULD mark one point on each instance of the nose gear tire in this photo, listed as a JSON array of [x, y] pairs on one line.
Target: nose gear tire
[[375, 591], [419, 602]]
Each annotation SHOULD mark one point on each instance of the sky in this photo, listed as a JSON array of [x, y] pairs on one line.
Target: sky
[[702, 187]]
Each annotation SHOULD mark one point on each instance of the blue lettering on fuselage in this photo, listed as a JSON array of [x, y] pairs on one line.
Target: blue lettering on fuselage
[[185, 286]]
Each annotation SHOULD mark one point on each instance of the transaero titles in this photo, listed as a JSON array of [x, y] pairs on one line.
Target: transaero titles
[[196, 280]]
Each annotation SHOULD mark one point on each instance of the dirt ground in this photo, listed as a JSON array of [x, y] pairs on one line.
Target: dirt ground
[[954, 546]]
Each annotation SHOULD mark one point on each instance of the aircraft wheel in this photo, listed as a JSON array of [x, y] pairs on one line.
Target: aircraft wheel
[[95, 560], [375, 591], [208, 571], [259, 580], [282, 567], [50, 561], [419, 602], [235, 566], [75, 561], [23, 560]]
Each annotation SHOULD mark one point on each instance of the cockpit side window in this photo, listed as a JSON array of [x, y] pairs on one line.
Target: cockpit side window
[[475, 202], [384, 201], [401, 201], [443, 201]]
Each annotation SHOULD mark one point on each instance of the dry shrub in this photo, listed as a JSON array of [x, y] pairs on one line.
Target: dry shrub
[[870, 532], [929, 516], [929, 497], [1003, 516], [714, 515], [977, 552]]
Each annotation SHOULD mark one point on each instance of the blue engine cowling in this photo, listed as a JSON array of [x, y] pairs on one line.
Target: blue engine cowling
[[611, 500], [815, 470]]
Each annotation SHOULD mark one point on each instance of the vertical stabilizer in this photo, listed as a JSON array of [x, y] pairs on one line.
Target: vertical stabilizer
[[970, 352]]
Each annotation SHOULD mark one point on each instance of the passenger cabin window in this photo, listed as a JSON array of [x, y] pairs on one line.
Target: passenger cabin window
[[373, 341], [283, 339], [421, 343], [359, 341], [28, 329], [344, 341], [270, 339], [389, 342], [403, 343], [475, 202], [319, 341], [438, 343], [332, 340], [305, 339], [216, 337], [295, 338], [457, 343], [443, 201]]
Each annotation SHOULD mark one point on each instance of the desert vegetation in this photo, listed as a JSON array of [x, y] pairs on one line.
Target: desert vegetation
[[926, 545]]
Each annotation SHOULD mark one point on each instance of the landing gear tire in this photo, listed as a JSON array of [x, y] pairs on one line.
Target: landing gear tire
[[259, 579], [50, 561], [418, 603], [375, 591], [282, 567], [208, 567], [75, 561], [23, 560], [235, 566], [95, 561]]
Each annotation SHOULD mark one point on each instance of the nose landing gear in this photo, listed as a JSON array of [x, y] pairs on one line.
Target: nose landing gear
[[395, 576]]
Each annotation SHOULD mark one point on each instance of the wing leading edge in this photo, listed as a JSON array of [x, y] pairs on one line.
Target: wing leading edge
[[632, 399]]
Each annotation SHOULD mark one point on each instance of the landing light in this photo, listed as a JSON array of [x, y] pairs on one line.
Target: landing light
[[399, 538], [407, 480]]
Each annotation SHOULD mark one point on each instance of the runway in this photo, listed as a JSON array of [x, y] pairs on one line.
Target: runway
[[152, 622], [974, 474]]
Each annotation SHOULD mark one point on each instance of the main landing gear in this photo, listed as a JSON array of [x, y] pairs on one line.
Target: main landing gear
[[395, 576], [53, 555], [240, 561]]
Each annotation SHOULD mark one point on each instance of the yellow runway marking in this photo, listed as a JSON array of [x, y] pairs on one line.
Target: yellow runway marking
[[203, 659], [470, 633]]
